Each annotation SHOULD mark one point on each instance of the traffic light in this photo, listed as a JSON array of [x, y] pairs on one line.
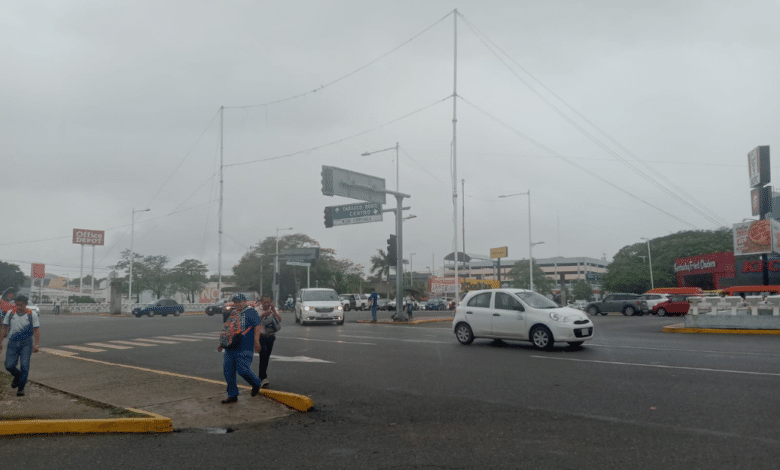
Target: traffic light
[[392, 250], [329, 217], [327, 180]]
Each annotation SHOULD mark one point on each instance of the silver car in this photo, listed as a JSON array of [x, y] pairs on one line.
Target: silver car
[[318, 306]]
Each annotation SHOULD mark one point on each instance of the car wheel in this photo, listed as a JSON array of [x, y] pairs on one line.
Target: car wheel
[[137, 315], [150, 313], [593, 310], [575, 343], [464, 334], [661, 312], [629, 311], [177, 313], [346, 308], [542, 337]]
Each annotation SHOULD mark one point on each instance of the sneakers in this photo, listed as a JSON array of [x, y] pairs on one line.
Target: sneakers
[[255, 390], [226, 401], [265, 384], [20, 393], [15, 381]]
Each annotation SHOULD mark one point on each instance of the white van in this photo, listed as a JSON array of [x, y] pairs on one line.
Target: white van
[[318, 306]]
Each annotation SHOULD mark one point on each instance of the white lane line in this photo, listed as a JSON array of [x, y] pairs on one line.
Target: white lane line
[[298, 359], [58, 352], [160, 341], [659, 366], [83, 348], [327, 340], [197, 338], [174, 338], [398, 339], [131, 343], [110, 346], [206, 335]]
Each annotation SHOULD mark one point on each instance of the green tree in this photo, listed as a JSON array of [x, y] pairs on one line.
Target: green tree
[[380, 268], [10, 276], [629, 272], [581, 290], [149, 273], [188, 277], [520, 279]]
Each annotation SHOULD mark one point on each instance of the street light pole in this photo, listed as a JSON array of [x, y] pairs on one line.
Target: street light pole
[[530, 243], [411, 269], [275, 283], [650, 259], [132, 254], [397, 167]]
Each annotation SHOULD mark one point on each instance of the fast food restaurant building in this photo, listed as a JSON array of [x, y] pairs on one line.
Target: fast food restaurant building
[[720, 270]]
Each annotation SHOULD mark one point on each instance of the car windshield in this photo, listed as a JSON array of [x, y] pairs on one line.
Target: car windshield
[[536, 300], [319, 295]]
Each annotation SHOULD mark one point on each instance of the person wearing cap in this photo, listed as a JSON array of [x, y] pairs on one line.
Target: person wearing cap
[[23, 325], [239, 359]]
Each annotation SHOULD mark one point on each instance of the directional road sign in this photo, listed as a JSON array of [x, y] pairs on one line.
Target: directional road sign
[[347, 183], [297, 263], [359, 213]]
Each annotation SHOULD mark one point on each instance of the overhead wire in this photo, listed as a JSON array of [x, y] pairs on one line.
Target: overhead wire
[[699, 208]]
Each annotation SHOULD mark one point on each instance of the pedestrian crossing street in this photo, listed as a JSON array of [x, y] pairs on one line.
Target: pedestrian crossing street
[[73, 349]]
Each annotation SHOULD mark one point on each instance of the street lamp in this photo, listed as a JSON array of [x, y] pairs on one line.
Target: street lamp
[[530, 244], [397, 172], [650, 258], [275, 284], [411, 269], [132, 254]]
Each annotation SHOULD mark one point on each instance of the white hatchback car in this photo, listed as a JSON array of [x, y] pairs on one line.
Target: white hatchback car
[[519, 314]]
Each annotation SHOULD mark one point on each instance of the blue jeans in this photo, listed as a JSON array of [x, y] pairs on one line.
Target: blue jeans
[[373, 312], [238, 361], [19, 351]]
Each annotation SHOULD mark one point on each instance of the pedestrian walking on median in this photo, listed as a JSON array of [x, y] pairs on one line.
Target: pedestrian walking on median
[[373, 302], [238, 358], [21, 325], [409, 305], [271, 321]]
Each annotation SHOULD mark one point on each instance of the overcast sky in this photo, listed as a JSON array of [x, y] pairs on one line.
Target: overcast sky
[[613, 114]]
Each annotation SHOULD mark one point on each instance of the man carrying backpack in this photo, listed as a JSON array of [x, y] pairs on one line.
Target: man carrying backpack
[[238, 356], [24, 326]]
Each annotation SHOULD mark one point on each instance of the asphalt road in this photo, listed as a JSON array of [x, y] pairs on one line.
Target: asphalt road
[[391, 396]]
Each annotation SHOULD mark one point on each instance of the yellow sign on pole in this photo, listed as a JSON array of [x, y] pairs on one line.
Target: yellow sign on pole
[[499, 252]]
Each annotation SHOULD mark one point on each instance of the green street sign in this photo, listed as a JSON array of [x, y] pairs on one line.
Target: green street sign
[[359, 213]]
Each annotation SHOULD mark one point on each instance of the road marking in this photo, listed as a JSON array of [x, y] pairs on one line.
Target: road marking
[[398, 339], [197, 338], [660, 366], [58, 352], [83, 348], [725, 353], [131, 343], [328, 340], [111, 346], [206, 335], [160, 341], [298, 359], [175, 338]]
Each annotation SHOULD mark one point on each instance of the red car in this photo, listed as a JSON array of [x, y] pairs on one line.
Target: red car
[[676, 305]]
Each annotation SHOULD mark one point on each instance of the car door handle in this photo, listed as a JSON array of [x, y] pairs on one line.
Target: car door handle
[[496, 314], [468, 313]]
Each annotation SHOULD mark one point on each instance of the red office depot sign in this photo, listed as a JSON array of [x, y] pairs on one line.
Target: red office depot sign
[[88, 237]]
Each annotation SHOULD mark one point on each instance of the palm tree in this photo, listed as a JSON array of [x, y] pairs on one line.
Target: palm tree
[[380, 267]]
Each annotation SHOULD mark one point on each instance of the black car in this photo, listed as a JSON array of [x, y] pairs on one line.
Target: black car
[[162, 307], [216, 308]]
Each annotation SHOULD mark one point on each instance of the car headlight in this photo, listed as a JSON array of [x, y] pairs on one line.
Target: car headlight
[[308, 308], [339, 308], [558, 317]]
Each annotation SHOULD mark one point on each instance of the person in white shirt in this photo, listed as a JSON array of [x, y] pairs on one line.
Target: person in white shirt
[[21, 325]]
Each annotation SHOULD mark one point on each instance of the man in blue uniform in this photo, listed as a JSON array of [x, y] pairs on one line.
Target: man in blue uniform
[[239, 359]]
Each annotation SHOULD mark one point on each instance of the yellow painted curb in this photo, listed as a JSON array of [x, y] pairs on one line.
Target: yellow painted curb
[[293, 400], [153, 424], [680, 328]]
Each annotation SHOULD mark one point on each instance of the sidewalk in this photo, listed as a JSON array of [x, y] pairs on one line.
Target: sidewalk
[[80, 395]]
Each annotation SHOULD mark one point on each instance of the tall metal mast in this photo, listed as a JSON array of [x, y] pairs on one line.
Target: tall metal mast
[[454, 155], [221, 168]]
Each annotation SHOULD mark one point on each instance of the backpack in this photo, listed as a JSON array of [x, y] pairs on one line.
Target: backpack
[[231, 335]]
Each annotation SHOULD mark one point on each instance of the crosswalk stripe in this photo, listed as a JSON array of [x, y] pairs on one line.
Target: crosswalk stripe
[[82, 348], [106, 345], [58, 352], [131, 343], [175, 338], [206, 335], [191, 336], [156, 341]]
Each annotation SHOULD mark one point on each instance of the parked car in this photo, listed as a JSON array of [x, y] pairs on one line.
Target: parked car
[[381, 304], [675, 305], [628, 304], [160, 307], [435, 303], [579, 304], [361, 301], [654, 299], [217, 307], [318, 305], [519, 314]]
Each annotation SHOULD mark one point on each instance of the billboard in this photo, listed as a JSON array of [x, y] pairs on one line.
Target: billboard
[[88, 237], [756, 237], [761, 200], [758, 166], [500, 252], [38, 271]]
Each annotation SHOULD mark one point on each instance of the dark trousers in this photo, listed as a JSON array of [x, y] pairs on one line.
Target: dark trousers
[[266, 346]]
